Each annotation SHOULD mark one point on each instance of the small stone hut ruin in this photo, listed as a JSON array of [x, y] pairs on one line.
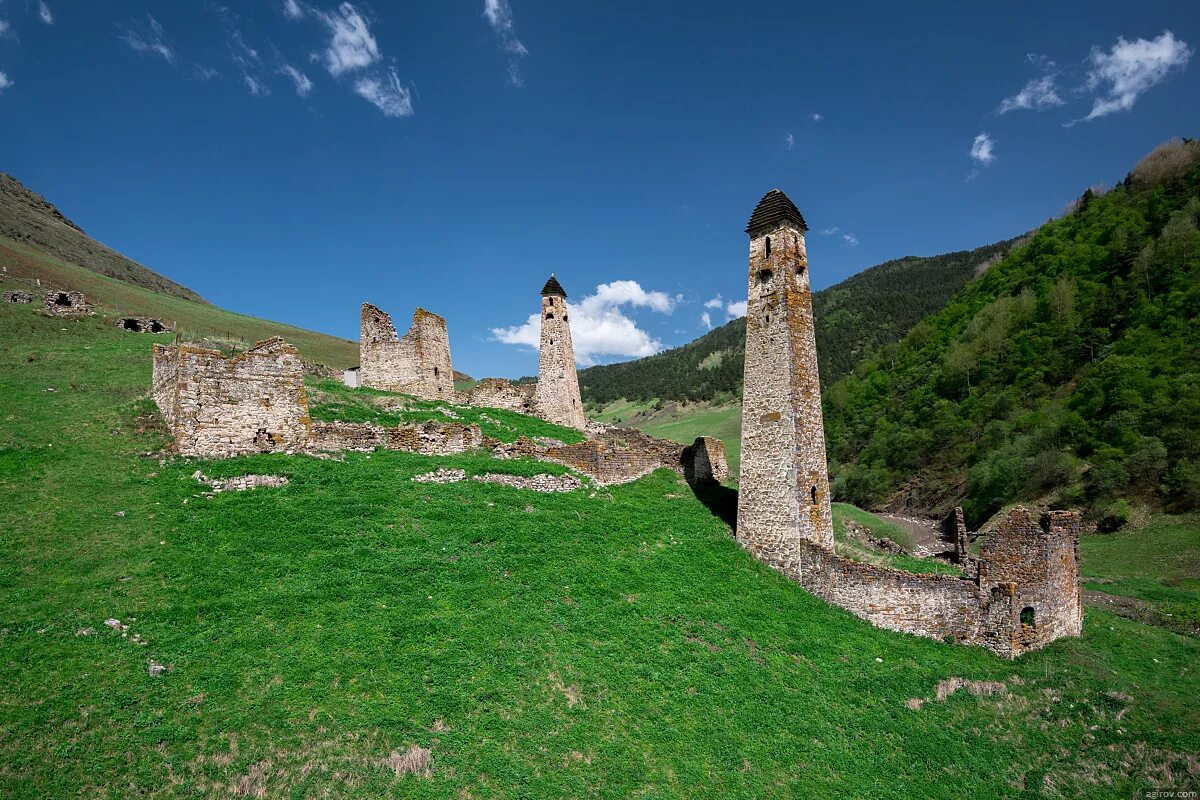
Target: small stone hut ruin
[[417, 364], [1026, 590], [142, 325], [66, 304], [17, 297]]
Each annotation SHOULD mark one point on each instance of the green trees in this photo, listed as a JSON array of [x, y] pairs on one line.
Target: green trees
[[1070, 369]]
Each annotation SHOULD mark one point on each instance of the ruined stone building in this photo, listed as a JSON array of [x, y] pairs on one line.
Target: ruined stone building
[[142, 325], [1025, 591], [416, 364], [556, 398], [499, 393], [70, 305], [223, 406], [17, 297]]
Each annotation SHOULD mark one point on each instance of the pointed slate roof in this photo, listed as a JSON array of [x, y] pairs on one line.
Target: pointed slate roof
[[774, 208], [553, 287]]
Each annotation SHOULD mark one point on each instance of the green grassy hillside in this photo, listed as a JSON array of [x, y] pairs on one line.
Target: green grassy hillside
[[28, 218], [1069, 372], [541, 646], [852, 318], [193, 320]]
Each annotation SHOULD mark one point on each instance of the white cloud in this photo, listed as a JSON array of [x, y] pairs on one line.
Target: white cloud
[[1128, 69], [599, 326], [44, 12], [203, 73], [352, 46], [983, 149], [303, 84], [1038, 93], [148, 38], [5, 81], [818, 117], [715, 302], [706, 321], [736, 310], [830, 231], [292, 9], [256, 87], [386, 93], [499, 16], [850, 239], [790, 141], [4, 26]]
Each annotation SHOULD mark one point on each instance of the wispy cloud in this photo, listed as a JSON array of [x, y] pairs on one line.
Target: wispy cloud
[[1039, 93], [983, 149], [386, 93], [246, 59], [256, 87], [706, 321], [715, 302], [599, 325], [5, 81], [818, 117], [790, 141], [203, 73], [737, 310], [830, 231], [44, 13], [303, 84], [1117, 77], [850, 239], [292, 9], [147, 38], [499, 16], [352, 46]]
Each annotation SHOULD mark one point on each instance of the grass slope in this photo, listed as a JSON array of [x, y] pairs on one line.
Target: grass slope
[[681, 422], [194, 320], [27, 217], [542, 646]]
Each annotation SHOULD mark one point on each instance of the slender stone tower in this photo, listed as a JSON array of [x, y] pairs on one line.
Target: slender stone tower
[[557, 396], [784, 481]]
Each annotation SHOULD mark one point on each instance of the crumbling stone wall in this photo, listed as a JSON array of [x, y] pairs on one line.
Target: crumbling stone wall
[[1024, 591], [17, 297], [784, 482], [621, 455], [556, 398], [704, 461], [428, 438], [66, 304], [217, 406], [417, 364], [499, 393], [142, 325]]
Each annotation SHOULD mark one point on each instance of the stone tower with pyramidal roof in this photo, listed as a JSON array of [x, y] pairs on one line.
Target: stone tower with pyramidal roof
[[557, 396]]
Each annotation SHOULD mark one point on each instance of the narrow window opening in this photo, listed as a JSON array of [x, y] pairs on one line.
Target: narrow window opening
[[768, 247], [813, 492], [549, 316], [765, 275], [435, 372], [565, 317], [1027, 616]]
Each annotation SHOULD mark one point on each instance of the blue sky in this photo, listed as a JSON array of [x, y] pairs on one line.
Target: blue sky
[[291, 159]]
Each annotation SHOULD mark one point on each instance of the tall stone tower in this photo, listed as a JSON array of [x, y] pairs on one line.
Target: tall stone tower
[[784, 481], [557, 396]]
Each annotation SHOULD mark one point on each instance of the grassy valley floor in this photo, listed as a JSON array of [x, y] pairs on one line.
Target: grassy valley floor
[[606, 644]]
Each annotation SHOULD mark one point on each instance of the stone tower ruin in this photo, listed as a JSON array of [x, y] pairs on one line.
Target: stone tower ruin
[[784, 482], [557, 396], [417, 364]]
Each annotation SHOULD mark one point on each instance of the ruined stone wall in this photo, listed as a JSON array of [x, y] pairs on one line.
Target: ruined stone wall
[[499, 393], [1040, 559], [142, 325], [557, 398], [17, 297], [427, 438], [621, 455], [217, 406], [704, 461], [66, 304], [784, 483], [417, 364]]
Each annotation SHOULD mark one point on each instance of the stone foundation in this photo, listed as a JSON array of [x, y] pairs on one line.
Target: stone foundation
[[19, 298], [142, 325]]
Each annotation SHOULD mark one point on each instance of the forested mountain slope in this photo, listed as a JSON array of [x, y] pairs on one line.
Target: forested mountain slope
[[1070, 371], [852, 318]]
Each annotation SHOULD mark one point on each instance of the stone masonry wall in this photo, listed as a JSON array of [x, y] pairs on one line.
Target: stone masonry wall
[[499, 393], [621, 455], [704, 461], [66, 304], [783, 483], [217, 406], [417, 364], [557, 398], [427, 438], [17, 297]]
